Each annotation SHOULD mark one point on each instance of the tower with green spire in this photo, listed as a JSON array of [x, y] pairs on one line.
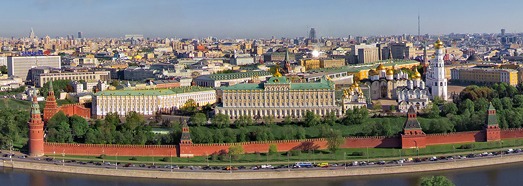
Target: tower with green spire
[[492, 130], [36, 130]]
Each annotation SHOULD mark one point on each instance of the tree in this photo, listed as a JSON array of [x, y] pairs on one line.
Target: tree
[[58, 86], [467, 105], [434, 111], [287, 120], [229, 135], [356, 116], [189, 106], [79, 126], [273, 149], [330, 118], [334, 140], [481, 104], [63, 133], [506, 102], [268, 120], [311, 119], [436, 181], [198, 119], [3, 69], [449, 108], [133, 120], [235, 151], [221, 120], [518, 100], [218, 136], [58, 118], [244, 120]]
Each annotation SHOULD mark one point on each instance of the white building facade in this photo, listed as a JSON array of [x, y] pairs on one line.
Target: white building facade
[[436, 80]]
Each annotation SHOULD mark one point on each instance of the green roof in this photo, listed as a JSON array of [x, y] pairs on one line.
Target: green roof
[[323, 84], [238, 75], [153, 92]]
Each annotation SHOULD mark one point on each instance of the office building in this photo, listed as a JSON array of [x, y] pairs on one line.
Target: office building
[[485, 75], [21, 65]]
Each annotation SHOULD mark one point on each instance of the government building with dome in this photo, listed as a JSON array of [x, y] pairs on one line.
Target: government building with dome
[[279, 97]]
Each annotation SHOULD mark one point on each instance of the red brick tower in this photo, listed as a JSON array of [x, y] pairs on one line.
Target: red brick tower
[[50, 108], [185, 142], [413, 136], [36, 130], [492, 130]]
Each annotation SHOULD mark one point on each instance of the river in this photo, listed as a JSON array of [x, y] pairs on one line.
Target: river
[[500, 175]]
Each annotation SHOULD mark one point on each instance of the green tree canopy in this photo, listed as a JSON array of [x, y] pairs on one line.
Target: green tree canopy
[[221, 120], [198, 119], [311, 119], [436, 181]]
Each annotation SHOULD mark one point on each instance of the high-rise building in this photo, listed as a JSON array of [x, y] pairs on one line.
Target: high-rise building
[[79, 35], [21, 65], [32, 34], [436, 72], [502, 32], [312, 35]]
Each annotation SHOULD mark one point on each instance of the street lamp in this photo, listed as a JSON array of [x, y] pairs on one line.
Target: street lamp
[[417, 149], [344, 159], [501, 151], [230, 163], [116, 163], [63, 157], [288, 162], [368, 155], [11, 151], [172, 161]]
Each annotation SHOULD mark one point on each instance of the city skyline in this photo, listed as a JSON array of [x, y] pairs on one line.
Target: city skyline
[[257, 19]]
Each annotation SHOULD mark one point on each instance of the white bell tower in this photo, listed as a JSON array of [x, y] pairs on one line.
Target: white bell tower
[[436, 77]]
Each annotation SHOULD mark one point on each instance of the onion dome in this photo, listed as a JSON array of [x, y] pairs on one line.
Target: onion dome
[[390, 71], [373, 72], [439, 44], [380, 67], [277, 73], [416, 74]]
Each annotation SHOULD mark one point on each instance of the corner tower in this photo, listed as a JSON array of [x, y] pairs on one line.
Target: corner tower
[[436, 73], [36, 130]]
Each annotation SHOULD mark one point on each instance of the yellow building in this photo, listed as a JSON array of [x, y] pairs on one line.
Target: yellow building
[[485, 75], [310, 64], [331, 63]]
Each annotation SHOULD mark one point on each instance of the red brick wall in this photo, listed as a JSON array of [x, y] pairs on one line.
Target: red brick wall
[[76, 109], [511, 133], [458, 137], [282, 145], [372, 142], [110, 150]]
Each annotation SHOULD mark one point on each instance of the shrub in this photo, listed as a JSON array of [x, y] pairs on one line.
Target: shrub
[[102, 156], [294, 152], [466, 146], [133, 158], [357, 154]]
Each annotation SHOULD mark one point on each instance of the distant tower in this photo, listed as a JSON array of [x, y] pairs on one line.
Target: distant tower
[[492, 131], [79, 35], [502, 32], [32, 34], [287, 61], [36, 130], [312, 35], [436, 76], [51, 107], [419, 29]]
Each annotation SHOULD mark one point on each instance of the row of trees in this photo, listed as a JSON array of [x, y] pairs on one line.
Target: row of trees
[[111, 130]]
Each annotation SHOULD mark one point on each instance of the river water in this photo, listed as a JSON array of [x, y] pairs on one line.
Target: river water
[[500, 175]]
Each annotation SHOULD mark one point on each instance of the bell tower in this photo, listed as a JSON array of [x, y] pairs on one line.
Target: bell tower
[[36, 130], [436, 78]]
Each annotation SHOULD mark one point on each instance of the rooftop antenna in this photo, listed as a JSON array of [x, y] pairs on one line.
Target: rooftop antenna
[[419, 28]]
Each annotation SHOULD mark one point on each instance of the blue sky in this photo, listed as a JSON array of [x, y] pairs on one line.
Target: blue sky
[[256, 18]]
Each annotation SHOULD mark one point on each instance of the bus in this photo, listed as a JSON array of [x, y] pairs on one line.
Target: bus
[[303, 165]]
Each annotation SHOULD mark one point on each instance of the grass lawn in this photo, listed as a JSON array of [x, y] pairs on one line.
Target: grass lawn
[[314, 156]]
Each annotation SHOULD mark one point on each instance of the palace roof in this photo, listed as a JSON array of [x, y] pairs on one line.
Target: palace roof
[[152, 92]]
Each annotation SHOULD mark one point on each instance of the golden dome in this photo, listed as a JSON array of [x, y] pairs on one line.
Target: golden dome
[[355, 85], [277, 72], [380, 67], [438, 44], [390, 71], [373, 72], [416, 74]]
